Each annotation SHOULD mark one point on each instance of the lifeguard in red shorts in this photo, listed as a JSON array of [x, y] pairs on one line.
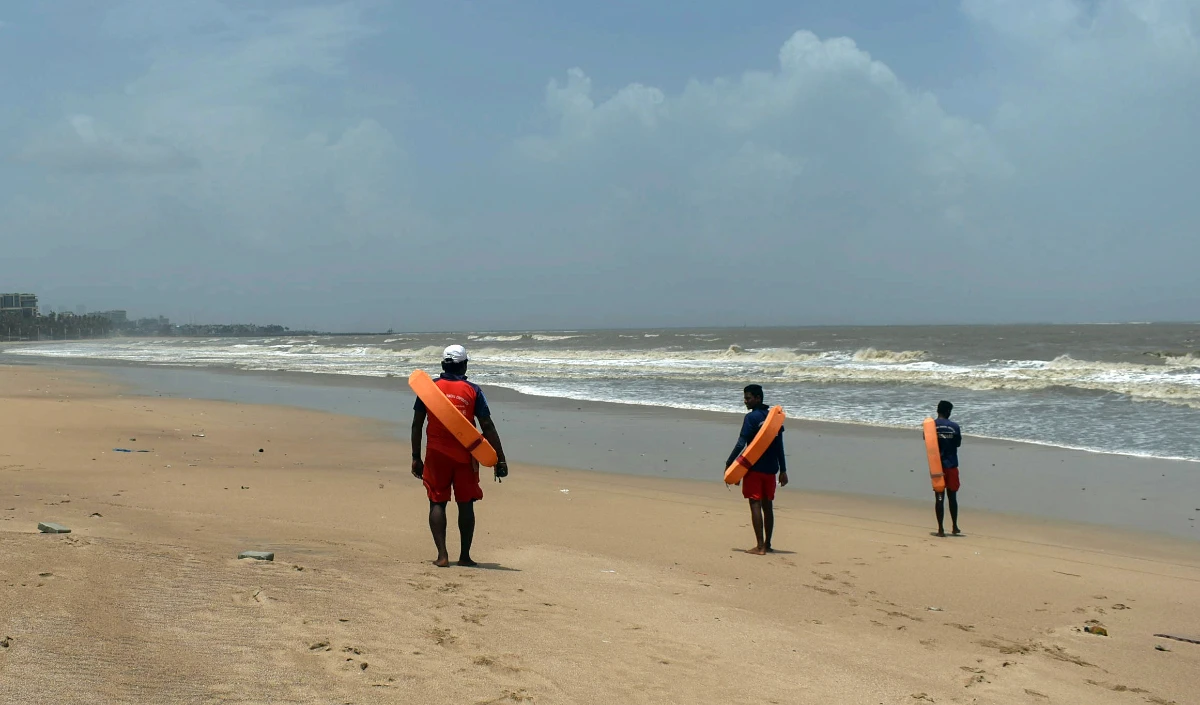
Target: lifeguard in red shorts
[[949, 441], [758, 485], [448, 469]]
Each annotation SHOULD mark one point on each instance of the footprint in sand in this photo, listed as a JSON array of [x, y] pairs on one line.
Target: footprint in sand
[[976, 680], [902, 615], [510, 696], [494, 663], [825, 590], [442, 637], [347, 663], [1006, 648]]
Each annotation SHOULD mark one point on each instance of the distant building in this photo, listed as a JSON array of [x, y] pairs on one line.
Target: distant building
[[24, 304], [116, 317]]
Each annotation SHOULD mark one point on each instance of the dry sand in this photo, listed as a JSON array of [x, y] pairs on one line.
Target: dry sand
[[619, 590]]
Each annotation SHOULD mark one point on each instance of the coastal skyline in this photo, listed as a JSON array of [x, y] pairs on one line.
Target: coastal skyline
[[361, 166]]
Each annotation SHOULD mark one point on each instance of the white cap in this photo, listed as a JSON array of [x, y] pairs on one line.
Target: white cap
[[454, 353]]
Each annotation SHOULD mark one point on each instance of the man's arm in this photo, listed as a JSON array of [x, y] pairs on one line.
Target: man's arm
[[778, 443], [488, 428], [744, 437], [782, 459], [418, 425], [957, 436]]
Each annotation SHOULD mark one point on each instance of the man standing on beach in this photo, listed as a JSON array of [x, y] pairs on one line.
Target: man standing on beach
[[949, 440], [448, 465], [758, 485]]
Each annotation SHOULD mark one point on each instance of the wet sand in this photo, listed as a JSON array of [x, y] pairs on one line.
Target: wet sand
[[622, 588]]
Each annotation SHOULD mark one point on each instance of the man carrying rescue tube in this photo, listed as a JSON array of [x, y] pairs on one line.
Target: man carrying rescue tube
[[949, 440], [448, 465], [758, 485]]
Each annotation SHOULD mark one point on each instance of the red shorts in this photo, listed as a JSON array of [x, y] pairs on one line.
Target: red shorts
[[952, 482], [758, 485], [443, 473]]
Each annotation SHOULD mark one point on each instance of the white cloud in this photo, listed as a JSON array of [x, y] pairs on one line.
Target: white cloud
[[827, 162], [86, 148], [835, 181], [236, 102]]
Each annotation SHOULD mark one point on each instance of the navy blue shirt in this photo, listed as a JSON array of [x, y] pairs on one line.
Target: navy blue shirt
[[481, 406], [949, 439], [772, 460]]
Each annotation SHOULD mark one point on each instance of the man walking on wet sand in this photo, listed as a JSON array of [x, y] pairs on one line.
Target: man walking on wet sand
[[448, 466], [949, 440], [758, 485]]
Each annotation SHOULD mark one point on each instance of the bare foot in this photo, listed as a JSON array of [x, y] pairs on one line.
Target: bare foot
[[757, 551], [941, 533], [769, 549], [956, 532], [442, 562], [466, 562]]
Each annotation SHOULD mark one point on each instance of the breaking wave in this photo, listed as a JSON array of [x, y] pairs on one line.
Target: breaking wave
[[1088, 400], [1175, 381], [873, 355]]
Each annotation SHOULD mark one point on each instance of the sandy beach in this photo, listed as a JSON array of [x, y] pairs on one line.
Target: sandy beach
[[594, 587]]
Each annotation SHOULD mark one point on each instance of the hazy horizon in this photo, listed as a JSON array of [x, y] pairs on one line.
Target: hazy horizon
[[360, 166]]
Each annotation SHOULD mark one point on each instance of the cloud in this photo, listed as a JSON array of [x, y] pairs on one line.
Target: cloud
[[1099, 113], [245, 109], [856, 196], [826, 171], [87, 149]]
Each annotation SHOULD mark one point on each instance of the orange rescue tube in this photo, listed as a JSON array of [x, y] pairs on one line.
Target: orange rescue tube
[[934, 455], [463, 428], [762, 440]]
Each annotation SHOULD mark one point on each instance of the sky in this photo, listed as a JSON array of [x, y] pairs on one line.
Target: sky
[[501, 164]]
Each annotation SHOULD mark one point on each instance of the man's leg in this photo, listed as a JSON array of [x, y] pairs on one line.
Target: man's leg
[[953, 496], [437, 524], [466, 530], [940, 511], [756, 518], [768, 510]]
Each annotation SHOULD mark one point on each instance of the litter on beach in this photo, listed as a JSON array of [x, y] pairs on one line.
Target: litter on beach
[[1188, 639]]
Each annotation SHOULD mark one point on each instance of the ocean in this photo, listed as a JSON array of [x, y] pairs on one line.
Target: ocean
[[1131, 389]]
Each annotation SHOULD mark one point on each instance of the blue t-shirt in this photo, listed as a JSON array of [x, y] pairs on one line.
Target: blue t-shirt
[[949, 439], [772, 460], [481, 406]]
